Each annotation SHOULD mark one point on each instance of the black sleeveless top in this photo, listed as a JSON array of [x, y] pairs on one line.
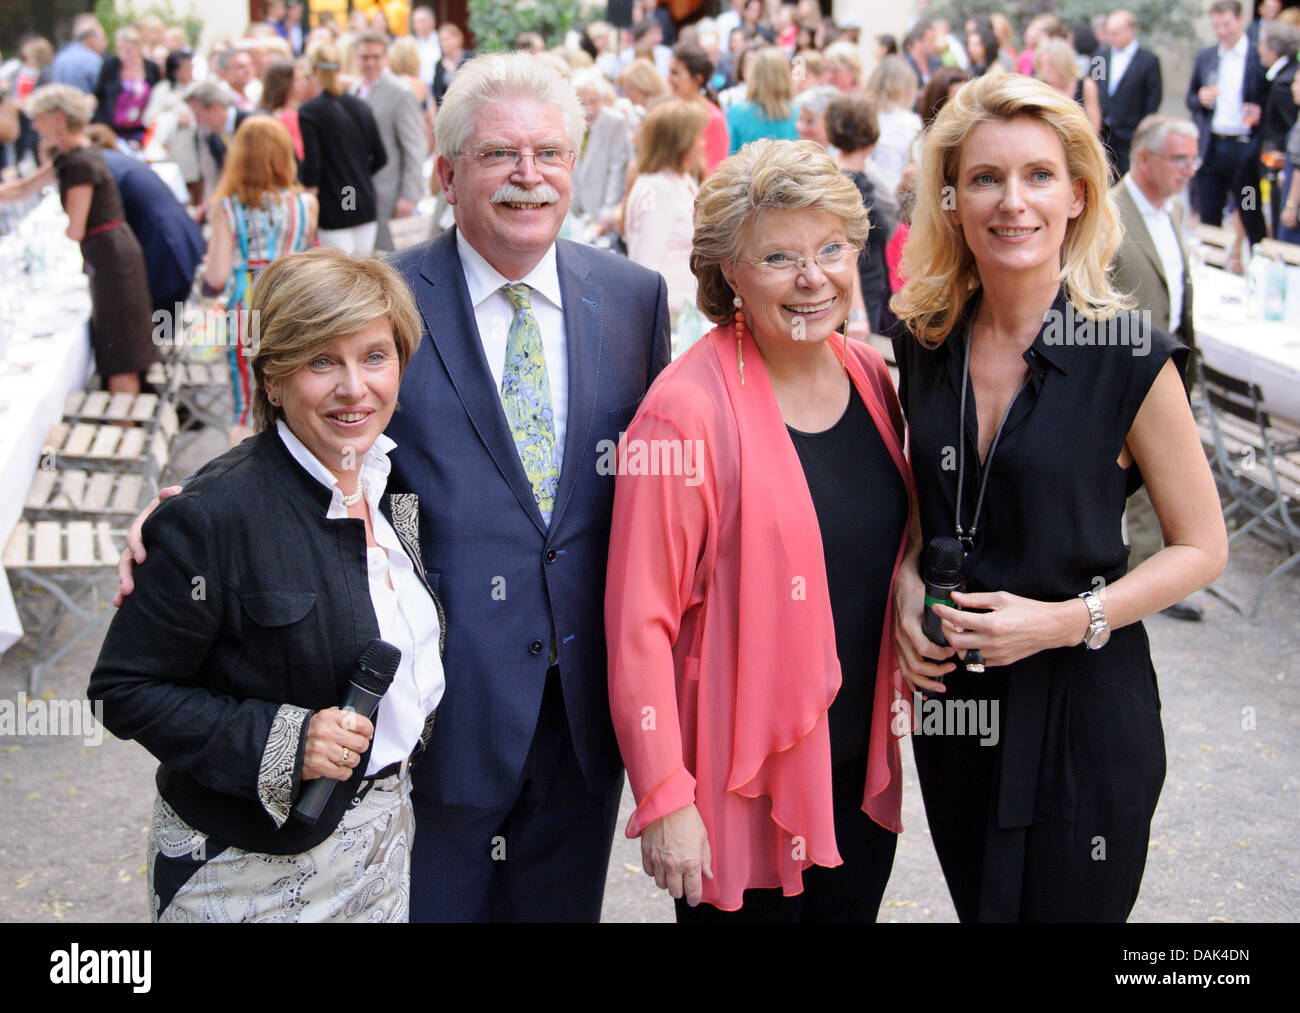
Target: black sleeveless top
[[1081, 733], [861, 506]]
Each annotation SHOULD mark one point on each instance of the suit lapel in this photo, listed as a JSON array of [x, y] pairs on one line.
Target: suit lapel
[[449, 319], [584, 332], [1136, 225]]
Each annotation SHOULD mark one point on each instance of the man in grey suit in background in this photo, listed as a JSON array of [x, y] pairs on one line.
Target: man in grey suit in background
[[600, 175], [400, 183], [1152, 264]]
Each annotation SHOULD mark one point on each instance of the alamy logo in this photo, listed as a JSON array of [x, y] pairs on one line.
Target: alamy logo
[[76, 718], [680, 458], [1125, 330], [75, 966]]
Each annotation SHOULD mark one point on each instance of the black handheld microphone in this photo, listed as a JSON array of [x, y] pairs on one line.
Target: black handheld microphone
[[942, 566], [370, 681]]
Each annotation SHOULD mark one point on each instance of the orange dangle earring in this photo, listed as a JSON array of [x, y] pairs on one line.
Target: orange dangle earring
[[740, 335]]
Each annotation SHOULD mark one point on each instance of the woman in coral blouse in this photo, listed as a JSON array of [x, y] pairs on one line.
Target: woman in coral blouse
[[759, 518]]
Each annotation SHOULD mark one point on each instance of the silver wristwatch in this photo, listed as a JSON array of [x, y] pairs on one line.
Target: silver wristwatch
[[1098, 629]]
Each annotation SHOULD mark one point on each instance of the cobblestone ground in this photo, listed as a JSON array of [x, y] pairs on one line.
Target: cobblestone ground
[[1223, 845]]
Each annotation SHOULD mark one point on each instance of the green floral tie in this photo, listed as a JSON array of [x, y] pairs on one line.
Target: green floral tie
[[526, 397]]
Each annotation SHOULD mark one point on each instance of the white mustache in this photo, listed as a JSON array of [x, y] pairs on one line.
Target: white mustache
[[509, 193]]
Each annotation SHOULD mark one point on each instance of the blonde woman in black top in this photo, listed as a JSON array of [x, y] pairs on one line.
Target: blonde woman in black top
[[1024, 365]]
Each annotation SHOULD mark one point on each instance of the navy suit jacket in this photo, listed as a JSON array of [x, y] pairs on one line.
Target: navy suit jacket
[[172, 241], [1137, 95], [506, 580], [1254, 88]]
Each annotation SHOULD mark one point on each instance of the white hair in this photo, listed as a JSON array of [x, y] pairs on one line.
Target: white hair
[[496, 77], [817, 100], [1152, 132]]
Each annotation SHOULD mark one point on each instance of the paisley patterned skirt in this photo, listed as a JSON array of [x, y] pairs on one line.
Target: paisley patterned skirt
[[360, 873]]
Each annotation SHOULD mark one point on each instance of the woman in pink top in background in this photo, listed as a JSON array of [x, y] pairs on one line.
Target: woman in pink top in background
[[688, 77], [657, 226], [751, 683]]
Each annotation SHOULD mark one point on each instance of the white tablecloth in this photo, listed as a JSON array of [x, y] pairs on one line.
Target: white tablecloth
[[1266, 352], [46, 354]]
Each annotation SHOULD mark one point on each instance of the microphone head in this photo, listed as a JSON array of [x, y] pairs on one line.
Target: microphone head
[[941, 563], [377, 666]]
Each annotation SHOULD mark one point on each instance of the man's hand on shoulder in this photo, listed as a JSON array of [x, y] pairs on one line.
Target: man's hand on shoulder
[[133, 555]]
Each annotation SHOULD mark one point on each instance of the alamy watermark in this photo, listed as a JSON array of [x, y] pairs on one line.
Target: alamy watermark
[[1123, 330], [936, 716], [82, 719], [676, 458]]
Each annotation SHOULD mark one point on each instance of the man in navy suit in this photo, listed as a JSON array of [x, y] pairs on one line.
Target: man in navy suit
[[1226, 95], [517, 795], [1131, 90]]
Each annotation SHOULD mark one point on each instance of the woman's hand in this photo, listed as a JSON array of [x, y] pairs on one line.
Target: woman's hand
[[1291, 216], [335, 741], [1015, 628], [675, 850], [920, 661]]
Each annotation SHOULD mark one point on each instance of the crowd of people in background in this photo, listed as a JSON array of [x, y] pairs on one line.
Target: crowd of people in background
[[359, 102]]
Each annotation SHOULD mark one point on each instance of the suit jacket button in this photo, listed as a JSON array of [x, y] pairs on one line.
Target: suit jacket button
[[550, 555], [536, 647]]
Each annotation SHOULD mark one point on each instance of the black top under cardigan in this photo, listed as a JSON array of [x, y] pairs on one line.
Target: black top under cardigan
[[249, 598]]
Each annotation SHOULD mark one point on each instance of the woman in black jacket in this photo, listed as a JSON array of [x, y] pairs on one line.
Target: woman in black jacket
[[125, 82], [342, 150], [266, 579], [852, 128]]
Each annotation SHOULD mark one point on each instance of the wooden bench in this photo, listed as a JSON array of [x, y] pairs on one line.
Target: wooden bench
[[107, 495], [69, 560]]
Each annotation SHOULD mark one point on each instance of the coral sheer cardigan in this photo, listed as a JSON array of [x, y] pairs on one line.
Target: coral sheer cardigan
[[721, 642]]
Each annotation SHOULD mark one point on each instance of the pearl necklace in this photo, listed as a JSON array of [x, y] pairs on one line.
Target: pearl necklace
[[355, 498]]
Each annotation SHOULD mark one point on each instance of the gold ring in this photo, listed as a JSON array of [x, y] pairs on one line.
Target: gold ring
[[344, 762]]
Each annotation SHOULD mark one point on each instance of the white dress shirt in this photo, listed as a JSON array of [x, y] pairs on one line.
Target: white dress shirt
[[408, 619], [1279, 65], [1232, 78], [1160, 227], [1119, 61], [493, 313], [430, 53]]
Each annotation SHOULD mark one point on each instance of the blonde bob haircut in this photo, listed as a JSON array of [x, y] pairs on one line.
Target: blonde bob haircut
[[940, 269], [668, 135], [1059, 55], [763, 176], [303, 301], [74, 104]]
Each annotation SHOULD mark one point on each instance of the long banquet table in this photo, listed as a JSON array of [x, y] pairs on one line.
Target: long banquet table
[[44, 354], [1232, 340]]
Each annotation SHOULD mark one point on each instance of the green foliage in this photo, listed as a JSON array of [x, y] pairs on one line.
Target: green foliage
[[1159, 21], [113, 18], [496, 25]]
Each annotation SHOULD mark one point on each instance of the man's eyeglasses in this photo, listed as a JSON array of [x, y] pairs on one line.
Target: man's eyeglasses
[[500, 158], [1182, 161], [830, 257]]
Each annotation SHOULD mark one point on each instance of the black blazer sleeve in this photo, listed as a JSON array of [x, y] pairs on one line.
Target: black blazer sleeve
[[1280, 111], [1152, 85], [310, 169], [1194, 84], [107, 88], [150, 665]]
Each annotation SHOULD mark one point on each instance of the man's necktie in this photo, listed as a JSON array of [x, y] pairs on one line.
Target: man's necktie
[[526, 397]]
